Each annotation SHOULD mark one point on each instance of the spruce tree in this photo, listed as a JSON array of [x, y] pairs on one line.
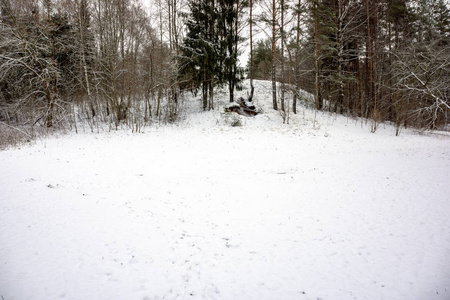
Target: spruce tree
[[208, 54], [197, 62], [227, 23]]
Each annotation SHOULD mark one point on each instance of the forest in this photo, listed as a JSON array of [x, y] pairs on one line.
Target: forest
[[224, 149], [130, 62]]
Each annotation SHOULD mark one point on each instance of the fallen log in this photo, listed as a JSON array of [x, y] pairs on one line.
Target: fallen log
[[243, 108]]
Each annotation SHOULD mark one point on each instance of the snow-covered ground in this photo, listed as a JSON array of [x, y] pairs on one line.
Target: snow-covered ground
[[204, 210]]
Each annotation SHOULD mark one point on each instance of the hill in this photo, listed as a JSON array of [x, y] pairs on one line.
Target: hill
[[201, 209]]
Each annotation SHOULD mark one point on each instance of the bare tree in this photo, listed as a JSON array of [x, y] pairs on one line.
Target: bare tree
[[422, 77], [35, 61]]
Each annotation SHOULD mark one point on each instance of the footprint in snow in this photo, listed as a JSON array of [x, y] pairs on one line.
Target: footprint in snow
[[51, 186]]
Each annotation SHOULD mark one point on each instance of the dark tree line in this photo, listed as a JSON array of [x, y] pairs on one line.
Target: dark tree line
[[97, 60], [376, 59], [113, 62]]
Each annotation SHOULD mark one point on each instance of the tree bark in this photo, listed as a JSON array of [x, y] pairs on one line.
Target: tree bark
[[318, 101], [274, 83], [252, 88], [296, 62]]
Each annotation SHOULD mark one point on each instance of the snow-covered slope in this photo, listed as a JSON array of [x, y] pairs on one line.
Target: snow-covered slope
[[204, 210]]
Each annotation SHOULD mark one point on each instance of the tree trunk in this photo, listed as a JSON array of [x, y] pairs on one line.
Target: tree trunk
[[283, 109], [340, 37], [296, 62], [82, 27], [205, 92], [316, 60], [252, 88], [369, 61], [274, 84]]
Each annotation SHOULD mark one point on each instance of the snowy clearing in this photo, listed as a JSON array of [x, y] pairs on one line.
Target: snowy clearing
[[208, 211]]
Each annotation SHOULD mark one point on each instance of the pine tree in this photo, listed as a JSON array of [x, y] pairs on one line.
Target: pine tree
[[262, 60]]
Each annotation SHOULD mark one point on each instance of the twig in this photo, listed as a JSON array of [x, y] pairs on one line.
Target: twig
[[21, 131]]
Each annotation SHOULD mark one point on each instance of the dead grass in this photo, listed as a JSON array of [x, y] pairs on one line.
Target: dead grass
[[11, 136]]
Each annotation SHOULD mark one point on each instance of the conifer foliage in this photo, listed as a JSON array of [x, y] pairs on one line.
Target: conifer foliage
[[209, 49], [121, 62]]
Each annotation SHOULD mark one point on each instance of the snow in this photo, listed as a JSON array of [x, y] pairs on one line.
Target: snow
[[204, 210]]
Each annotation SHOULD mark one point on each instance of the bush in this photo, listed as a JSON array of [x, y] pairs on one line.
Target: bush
[[12, 136]]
